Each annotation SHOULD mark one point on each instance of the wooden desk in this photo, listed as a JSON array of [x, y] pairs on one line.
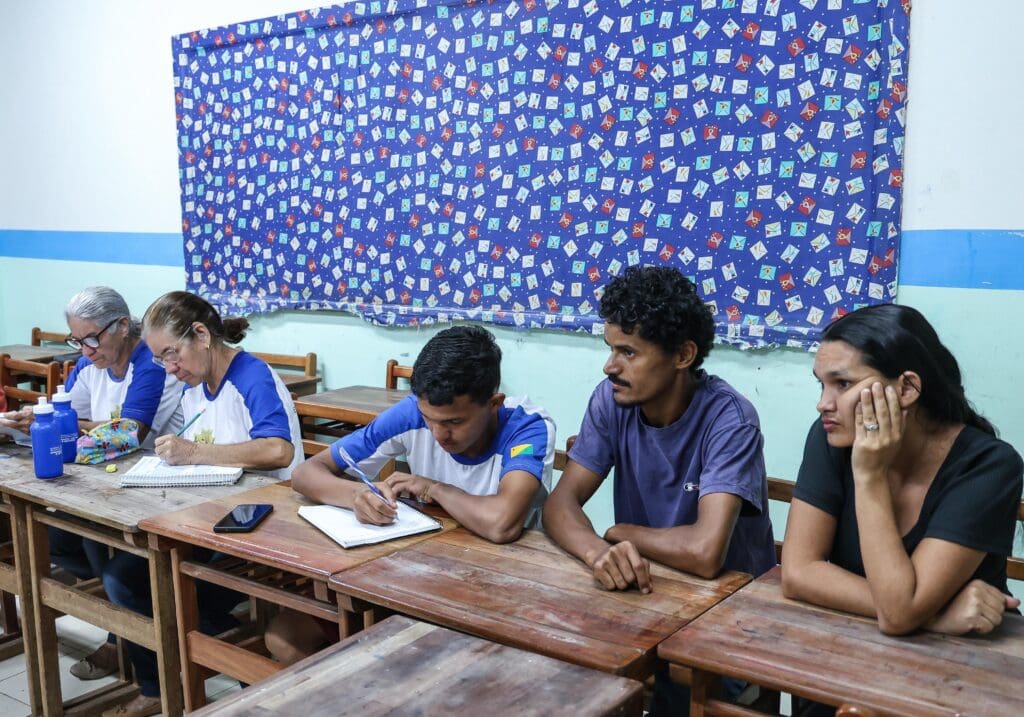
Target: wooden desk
[[40, 354], [832, 657], [299, 384], [97, 508], [357, 405], [533, 595], [285, 561], [404, 667]]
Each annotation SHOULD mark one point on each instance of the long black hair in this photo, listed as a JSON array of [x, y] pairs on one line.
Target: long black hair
[[894, 339]]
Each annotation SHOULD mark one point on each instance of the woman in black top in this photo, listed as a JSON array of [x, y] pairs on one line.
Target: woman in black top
[[905, 503]]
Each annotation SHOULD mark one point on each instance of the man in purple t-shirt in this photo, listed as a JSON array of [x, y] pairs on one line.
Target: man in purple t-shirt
[[690, 488]]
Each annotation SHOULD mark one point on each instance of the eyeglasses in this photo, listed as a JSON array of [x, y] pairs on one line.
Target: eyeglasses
[[171, 355], [92, 340]]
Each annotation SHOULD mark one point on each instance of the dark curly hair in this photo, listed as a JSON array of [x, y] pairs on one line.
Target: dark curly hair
[[460, 361], [662, 306]]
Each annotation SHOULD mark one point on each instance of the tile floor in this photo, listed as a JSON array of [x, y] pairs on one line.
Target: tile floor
[[76, 639]]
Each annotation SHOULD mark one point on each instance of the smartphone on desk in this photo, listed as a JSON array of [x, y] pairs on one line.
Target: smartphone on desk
[[243, 518]]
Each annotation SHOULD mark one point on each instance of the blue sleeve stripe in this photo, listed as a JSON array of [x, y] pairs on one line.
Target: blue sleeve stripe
[[530, 428], [79, 366], [142, 399], [531, 464], [402, 417], [254, 379]]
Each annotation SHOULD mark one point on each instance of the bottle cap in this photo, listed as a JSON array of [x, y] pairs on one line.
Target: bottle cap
[[42, 407], [61, 396]]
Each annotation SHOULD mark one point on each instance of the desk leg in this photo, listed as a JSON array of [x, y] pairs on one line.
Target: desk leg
[[702, 690], [187, 606], [167, 655], [22, 563], [45, 617]]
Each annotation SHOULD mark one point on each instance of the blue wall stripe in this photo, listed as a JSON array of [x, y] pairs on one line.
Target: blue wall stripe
[[106, 247], [963, 258], [955, 258]]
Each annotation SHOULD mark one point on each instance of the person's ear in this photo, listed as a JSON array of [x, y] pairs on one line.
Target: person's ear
[[201, 334], [496, 401], [908, 388], [686, 355]]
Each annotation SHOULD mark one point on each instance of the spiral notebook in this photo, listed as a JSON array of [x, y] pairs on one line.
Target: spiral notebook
[[152, 472], [342, 526]]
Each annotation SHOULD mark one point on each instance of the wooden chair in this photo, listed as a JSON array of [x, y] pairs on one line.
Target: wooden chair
[[854, 711], [299, 384], [394, 372], [11, 642], [43, 373], [310, 447], [51, 337]]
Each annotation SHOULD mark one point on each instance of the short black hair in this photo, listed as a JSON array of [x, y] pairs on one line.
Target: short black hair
[[460, 361], [662, 306]]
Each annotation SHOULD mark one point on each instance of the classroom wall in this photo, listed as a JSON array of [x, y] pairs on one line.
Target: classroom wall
[[89, 195]]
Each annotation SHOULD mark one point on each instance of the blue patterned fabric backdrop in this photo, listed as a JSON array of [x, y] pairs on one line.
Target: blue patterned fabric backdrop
[[417, 161]]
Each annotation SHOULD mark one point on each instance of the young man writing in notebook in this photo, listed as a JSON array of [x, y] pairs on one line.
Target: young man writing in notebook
[[690, 489], [483, 457]]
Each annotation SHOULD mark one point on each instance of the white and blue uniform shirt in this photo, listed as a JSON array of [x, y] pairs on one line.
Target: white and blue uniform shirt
[[251, 402], [525, 441], [146, 393]]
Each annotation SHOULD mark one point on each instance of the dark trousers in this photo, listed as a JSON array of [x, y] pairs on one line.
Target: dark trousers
[[671, 699], [126, 580]]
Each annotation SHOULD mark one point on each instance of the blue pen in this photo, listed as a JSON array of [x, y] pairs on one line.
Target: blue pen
[[194, 419], [362, 476]]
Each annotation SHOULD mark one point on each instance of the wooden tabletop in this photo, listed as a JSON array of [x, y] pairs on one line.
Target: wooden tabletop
[[90, 492], [353, 404], [42, 354], [283, 540], [404, 667], [833, 657], [533, 595], [299, 384]]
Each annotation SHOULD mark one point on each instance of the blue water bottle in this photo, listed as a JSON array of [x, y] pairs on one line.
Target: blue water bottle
[[47, 456], [66, 419]]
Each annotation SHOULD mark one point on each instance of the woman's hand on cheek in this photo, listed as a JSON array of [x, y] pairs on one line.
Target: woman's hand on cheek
[[878, 427]]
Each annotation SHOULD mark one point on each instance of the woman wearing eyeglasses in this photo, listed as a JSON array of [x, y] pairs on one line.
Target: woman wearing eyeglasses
[[237, 412], [114, 378]]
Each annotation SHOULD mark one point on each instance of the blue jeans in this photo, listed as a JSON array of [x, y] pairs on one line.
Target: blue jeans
[[126, 580], [83, 558]]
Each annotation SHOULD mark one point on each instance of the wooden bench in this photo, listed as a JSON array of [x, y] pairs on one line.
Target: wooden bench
[[781, 490]]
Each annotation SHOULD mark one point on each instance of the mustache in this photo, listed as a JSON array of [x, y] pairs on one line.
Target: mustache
[[619, 382]]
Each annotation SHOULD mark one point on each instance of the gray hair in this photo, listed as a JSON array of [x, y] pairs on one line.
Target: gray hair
[[101, 305]]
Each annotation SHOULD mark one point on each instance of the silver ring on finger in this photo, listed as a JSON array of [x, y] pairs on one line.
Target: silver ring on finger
[[870, 426]]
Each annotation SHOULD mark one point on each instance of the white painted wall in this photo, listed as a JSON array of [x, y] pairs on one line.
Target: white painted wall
[[91, 146]]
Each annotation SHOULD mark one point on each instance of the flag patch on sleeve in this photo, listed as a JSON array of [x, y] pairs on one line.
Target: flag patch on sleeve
[[523, 449]]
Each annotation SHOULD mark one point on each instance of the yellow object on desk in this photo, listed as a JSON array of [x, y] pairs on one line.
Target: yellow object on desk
[[112, 468]]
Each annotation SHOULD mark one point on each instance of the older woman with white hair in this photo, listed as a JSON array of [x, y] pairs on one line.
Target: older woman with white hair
[[115, 378]]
